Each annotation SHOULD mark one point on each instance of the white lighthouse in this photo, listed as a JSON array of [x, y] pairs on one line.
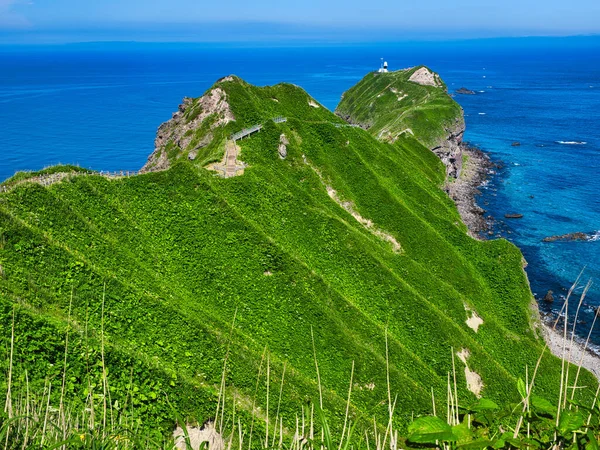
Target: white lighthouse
[[383, 68]]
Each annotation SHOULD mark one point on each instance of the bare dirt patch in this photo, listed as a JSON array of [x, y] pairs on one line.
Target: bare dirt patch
[[474, 382], [473, 321]]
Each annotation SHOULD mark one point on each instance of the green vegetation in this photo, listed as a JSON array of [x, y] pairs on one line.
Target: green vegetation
[[533, 422], [390, 105], [156, 278], [61, 168]]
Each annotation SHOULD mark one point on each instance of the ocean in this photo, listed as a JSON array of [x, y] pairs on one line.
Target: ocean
[[99, 105]]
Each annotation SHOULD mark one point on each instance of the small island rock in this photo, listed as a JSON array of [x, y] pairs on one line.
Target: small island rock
[[569, 237]]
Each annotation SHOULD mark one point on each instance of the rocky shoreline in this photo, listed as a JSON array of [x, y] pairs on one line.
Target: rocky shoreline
[[476, 170], [463, 190], [577, 354]]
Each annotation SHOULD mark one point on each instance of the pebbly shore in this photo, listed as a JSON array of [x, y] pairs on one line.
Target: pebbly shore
[[576, 353], [476, 169]]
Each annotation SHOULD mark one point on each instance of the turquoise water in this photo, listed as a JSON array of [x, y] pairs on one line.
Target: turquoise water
[[100, 105]]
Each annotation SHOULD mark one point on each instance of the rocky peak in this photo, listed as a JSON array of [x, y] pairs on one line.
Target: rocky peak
[[178, 136], [425, 77]]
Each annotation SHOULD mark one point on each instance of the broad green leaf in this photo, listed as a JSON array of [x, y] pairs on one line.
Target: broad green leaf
[[483, 404], [543, 405], [516, 443], [429, 429], [500, 443], [580, 405], [462, 432], [592, 444], [569, 421], [530, 443]]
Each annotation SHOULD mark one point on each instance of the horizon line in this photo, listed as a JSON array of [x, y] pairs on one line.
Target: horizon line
[[297, 40]]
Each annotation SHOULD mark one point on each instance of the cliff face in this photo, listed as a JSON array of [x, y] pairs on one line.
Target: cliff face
[[190, 129], [411, 102], [450, 149], [414, 104]]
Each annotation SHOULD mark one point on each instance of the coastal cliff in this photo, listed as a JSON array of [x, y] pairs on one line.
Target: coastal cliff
[[190, 129], [407, 102], [267, 232], [414, 104]]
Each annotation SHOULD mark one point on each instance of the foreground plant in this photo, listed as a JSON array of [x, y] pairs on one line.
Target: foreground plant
[[534, 422]]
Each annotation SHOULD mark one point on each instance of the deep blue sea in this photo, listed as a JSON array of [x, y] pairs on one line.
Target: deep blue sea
[[99, 105]]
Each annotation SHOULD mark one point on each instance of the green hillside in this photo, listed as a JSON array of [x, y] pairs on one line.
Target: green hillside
[[389, 105], [341, 242]]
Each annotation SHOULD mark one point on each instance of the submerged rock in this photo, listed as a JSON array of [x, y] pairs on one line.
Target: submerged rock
[[465, 91], [513, 216]]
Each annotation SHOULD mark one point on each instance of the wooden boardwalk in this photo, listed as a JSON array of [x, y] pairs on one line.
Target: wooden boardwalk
[[232, 165], [229, 166], [254, 129], [245, 132]]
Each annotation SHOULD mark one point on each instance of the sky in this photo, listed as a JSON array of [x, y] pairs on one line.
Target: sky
[[41, 21]]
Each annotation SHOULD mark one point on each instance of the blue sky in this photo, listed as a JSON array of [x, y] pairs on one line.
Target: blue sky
[[342, 20]]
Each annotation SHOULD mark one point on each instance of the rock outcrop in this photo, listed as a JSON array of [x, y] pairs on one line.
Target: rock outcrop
[[464, 189], [425, 77], [282, 148], [465, 91], [450, 149], [176, 136], [198, 436], [570, 237]]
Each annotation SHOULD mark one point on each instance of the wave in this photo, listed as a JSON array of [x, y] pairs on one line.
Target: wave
[[482, 114], [571, 142]]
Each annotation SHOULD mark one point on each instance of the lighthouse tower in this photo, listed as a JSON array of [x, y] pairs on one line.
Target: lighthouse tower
[[383, 68]]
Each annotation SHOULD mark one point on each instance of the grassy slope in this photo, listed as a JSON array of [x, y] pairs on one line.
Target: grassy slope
[[177, 253], [387, 103]]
